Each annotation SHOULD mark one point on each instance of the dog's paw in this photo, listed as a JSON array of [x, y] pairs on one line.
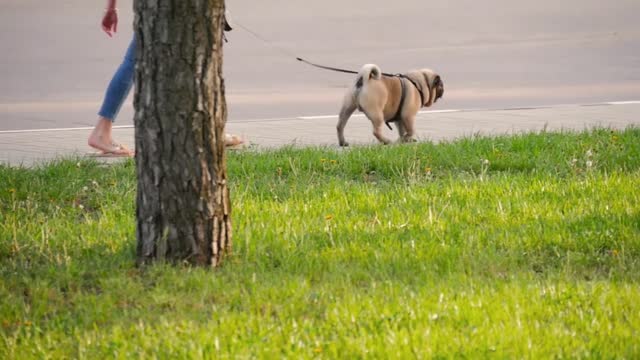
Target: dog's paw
[[344, 144], [408, 140]]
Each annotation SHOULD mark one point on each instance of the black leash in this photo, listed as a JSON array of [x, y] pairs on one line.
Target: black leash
[[338, 69], [401, 76], [288, 53]]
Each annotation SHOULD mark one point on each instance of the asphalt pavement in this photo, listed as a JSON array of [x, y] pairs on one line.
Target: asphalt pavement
[[32, 147]]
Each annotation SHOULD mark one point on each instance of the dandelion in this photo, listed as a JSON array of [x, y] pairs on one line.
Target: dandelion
[[12, 191], [574, 161], [485, 162], [589, 153], [589, 163], [323, 160], [86, 188], [334, 161], [81, 207], [427, 170], [328, 217], [94, 183], [614, 252]]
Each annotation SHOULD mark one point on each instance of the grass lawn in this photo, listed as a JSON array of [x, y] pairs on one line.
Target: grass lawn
[[509, 247]]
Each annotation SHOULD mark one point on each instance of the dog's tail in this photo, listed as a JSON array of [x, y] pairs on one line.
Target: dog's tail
[[368, 71]]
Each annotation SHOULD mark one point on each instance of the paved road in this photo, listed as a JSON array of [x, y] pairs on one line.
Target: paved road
[[32, 147], [55, 62]]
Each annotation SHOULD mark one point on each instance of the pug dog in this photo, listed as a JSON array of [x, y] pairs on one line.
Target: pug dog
[[385, 99]]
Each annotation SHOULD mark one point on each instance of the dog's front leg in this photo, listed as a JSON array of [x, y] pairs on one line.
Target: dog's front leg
[[408, 126], [401, 130]]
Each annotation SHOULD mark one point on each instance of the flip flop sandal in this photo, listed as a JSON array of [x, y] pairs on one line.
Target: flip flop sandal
[[118, 150]]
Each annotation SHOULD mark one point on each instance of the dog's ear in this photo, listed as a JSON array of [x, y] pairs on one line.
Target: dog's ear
[[438, 85], [226, 22]]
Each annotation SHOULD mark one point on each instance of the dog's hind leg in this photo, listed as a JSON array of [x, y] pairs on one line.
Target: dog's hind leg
[[348, 107], [377, 120]]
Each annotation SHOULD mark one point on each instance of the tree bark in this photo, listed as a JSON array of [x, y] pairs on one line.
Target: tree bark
[[183, 206]]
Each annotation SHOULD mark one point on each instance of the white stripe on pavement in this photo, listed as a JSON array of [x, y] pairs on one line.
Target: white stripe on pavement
[[318, 117], [60, 129], [361, 115], [623, 102]]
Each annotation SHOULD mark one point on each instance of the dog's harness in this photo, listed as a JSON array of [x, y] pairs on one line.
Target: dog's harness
[[403, 95], [397, 116], [417, 88]]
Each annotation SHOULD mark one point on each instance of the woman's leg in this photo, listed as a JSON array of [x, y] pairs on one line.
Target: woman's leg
[[116, 94]]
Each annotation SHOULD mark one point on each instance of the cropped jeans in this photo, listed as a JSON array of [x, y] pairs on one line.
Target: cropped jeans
[[120, 85]]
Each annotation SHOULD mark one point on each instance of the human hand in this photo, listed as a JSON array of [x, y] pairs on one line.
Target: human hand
[[110, 21]]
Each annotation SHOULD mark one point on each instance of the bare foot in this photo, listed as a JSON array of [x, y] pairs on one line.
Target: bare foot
[[232, 140], [100, 139]]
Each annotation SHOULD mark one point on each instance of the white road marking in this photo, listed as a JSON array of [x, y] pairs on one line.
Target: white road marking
[[362, 115], [324, 117], [60, 129], [318, 117], [623, 102]]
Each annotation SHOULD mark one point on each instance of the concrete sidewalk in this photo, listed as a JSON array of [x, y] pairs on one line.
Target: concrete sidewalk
[[30, 147]]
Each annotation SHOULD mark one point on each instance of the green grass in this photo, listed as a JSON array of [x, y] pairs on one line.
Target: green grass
[[509, 247]]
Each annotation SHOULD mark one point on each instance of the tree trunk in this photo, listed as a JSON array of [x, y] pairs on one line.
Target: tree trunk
[[183, 207]]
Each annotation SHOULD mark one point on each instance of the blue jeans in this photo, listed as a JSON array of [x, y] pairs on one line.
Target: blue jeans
[[120, 85]]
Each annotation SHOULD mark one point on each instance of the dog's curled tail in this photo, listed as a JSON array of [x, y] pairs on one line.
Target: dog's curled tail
[[368, 71]]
